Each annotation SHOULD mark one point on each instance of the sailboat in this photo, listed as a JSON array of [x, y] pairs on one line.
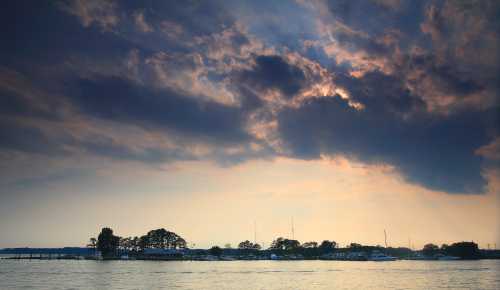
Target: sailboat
[[379, 256]]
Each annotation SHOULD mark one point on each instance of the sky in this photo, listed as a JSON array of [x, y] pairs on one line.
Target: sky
[[219, 120]]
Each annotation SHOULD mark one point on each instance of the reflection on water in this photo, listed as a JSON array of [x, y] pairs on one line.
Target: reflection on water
[[71, 274]]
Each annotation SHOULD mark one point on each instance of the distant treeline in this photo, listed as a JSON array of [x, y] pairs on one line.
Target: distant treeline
[[110, 245]]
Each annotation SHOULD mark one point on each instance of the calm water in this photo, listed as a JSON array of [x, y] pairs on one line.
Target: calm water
[[60, 274]]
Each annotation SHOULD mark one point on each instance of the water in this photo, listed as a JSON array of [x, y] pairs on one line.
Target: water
[[126, 275]]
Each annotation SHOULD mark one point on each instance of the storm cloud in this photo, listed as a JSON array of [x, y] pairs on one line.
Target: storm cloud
[[410, 84], [437, 153]]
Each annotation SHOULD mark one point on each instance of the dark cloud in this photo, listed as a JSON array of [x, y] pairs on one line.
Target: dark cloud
[[120, 100], [448, 77], [29, 139], [426, 73], [195, 17], [107, 147], [249, 100], [375, 19], [273, 72], [25, 138], [442, 51], [274, 26], [381, 92], [437, 153], [14, 105]]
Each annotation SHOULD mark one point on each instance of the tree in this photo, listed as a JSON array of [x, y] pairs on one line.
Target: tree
[[355, 246], [247, 245], [464, 250], [430, 250], [107, 243], [92, 244], [215, 251], [285, 244], [327, 246], [162, 239], [125, 244], [310, 245], [144, 242], [179, 243]]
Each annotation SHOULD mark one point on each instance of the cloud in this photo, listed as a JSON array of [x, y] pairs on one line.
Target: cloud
[[381, 92], [141, 23], [431, 46], [387, 82], [462, 68], [101, 13], [433, 152], [490, 151], [273, 72], [20, 137], [119, 100]]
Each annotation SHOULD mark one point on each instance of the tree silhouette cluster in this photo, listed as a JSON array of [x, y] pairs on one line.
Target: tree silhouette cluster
[[109, 244], [463, 250], [247, 245]]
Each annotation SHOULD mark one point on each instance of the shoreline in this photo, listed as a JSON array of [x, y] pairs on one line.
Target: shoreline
[[225, 259]]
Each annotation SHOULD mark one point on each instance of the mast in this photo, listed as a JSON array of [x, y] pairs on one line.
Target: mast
[[254, 232], [385, 238], [293, 231]]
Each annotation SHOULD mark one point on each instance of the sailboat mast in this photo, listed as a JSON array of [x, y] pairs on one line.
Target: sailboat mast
[[254, 232], [385, 238]]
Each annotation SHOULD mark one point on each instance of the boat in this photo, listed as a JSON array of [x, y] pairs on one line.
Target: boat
[[379, 257]]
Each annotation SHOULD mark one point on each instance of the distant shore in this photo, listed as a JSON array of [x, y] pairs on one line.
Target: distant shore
[[203, 255], [164, 245]]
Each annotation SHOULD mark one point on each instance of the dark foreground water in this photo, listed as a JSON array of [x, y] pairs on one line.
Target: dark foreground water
[[60, 274]]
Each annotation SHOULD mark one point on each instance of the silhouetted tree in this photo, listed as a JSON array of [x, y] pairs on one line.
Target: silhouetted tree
[[355, 246], [247, 245], [123, 243], [162, 239], [430, 250], [310, 245], [215, 251], [327, 246], [285, 244], [179, 243], [107, 243], [464, 250], [92, 244]]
